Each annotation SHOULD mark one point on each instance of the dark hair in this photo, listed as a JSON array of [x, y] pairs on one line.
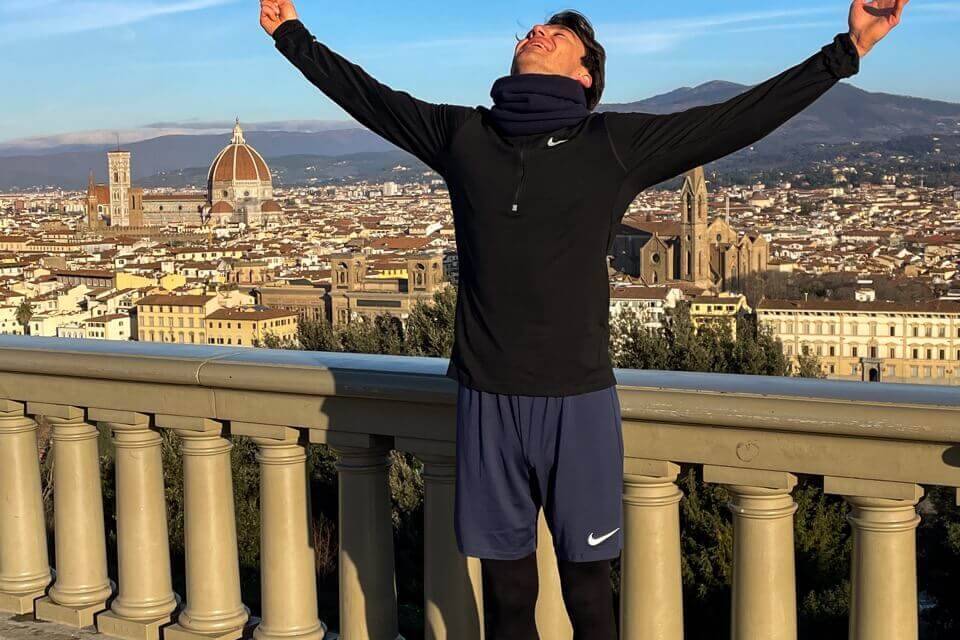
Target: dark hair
[[596, 57]]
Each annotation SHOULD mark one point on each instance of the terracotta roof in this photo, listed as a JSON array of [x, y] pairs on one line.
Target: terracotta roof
[[250, 314], [106, 318], [662, 229], [270, 206], [639, 293], [183, 301], [238, 162], [222, 207], [82, 273], [195, 197]]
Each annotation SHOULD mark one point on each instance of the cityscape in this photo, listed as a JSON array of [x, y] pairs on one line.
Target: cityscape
[[863, 274], [705, 334]]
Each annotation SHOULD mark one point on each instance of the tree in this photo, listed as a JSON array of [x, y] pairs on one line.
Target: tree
[[430, 326], [24, 315], [317, 335], [808, 366]]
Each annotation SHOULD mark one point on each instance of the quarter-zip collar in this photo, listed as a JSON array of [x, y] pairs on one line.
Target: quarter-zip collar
[[537, 103]]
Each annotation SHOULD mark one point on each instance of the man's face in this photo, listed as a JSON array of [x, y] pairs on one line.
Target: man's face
[[552, 49]]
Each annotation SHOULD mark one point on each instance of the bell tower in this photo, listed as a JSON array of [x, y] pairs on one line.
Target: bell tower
[[93, 217], [349, 271], [424, 273], [118, 170], [694, 246]]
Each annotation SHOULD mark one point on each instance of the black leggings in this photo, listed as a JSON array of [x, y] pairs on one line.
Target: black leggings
[[510, 598]]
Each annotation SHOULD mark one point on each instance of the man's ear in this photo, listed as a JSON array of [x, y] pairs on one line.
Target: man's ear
[[586, 80]]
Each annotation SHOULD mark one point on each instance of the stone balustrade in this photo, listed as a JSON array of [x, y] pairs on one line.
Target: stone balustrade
[[872, 444]]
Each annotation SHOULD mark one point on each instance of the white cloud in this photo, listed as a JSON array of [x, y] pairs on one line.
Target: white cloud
[[661, 35], [20, 19], [649, 36]]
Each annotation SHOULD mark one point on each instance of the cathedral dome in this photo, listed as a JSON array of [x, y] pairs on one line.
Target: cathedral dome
[[238, 162]]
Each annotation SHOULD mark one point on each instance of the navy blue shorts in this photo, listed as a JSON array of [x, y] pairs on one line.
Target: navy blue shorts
[[517, 454]]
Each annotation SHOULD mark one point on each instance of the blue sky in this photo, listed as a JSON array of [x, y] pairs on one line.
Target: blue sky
[[73, 65]]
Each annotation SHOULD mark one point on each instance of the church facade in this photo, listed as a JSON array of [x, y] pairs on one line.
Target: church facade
[[239, 189], [708, 254]]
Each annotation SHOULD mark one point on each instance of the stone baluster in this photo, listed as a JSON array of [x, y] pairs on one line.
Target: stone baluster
[[82, 587], [883, 602], [453, 588], [764, 576], [368, 590], [145, 600], [214, 608], [651, 598], [551, 613], [24, 564], [288, 564]]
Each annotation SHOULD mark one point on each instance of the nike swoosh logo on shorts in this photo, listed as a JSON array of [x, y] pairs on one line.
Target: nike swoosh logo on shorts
[[595, 541], [552, 143]]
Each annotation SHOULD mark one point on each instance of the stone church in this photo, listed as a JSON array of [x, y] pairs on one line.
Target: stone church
[[239, 189], [708, 254]]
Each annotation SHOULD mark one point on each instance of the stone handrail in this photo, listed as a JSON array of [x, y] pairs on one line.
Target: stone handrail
[[873, 444]]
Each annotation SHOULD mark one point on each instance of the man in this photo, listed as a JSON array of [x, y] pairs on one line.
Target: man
[[538, 184]]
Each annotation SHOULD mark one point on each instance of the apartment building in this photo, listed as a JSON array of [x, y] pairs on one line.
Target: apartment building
[[173, 318], [870, 340], [719, 310], [245, 326]]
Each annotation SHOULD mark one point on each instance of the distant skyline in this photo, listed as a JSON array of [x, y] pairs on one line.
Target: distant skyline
[[78, 65]]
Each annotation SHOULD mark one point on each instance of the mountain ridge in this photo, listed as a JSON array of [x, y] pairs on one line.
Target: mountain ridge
[[845, 113]]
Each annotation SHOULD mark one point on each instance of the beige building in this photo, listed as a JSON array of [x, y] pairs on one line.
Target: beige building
[[245, 326], [650, 304], [310, 301], [708, 254], [355, 296], [113, 326], [719, 311], [172, 318], [871, 341]]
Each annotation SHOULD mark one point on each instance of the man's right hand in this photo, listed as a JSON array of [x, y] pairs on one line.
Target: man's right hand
[[273, 13]]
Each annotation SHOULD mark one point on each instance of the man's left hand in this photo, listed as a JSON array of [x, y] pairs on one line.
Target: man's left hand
[[871, 20]]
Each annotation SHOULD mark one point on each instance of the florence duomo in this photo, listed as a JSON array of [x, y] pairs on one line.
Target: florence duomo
[[239, 189], [709, 254]]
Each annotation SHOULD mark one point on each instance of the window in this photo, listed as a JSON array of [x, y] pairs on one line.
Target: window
[[893, 331], [916, 354], [929, 332], [942, 332], [916, 331], [873, 352], [833, 352], [854, 351], [914, 372], [892, 353], [943, 354], [929, 354]]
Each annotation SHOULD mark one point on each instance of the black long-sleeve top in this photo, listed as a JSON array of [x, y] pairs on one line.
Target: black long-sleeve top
[[535, 216]]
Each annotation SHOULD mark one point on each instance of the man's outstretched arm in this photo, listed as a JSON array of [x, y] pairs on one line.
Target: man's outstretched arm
[[421, 128], [653, 148]]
